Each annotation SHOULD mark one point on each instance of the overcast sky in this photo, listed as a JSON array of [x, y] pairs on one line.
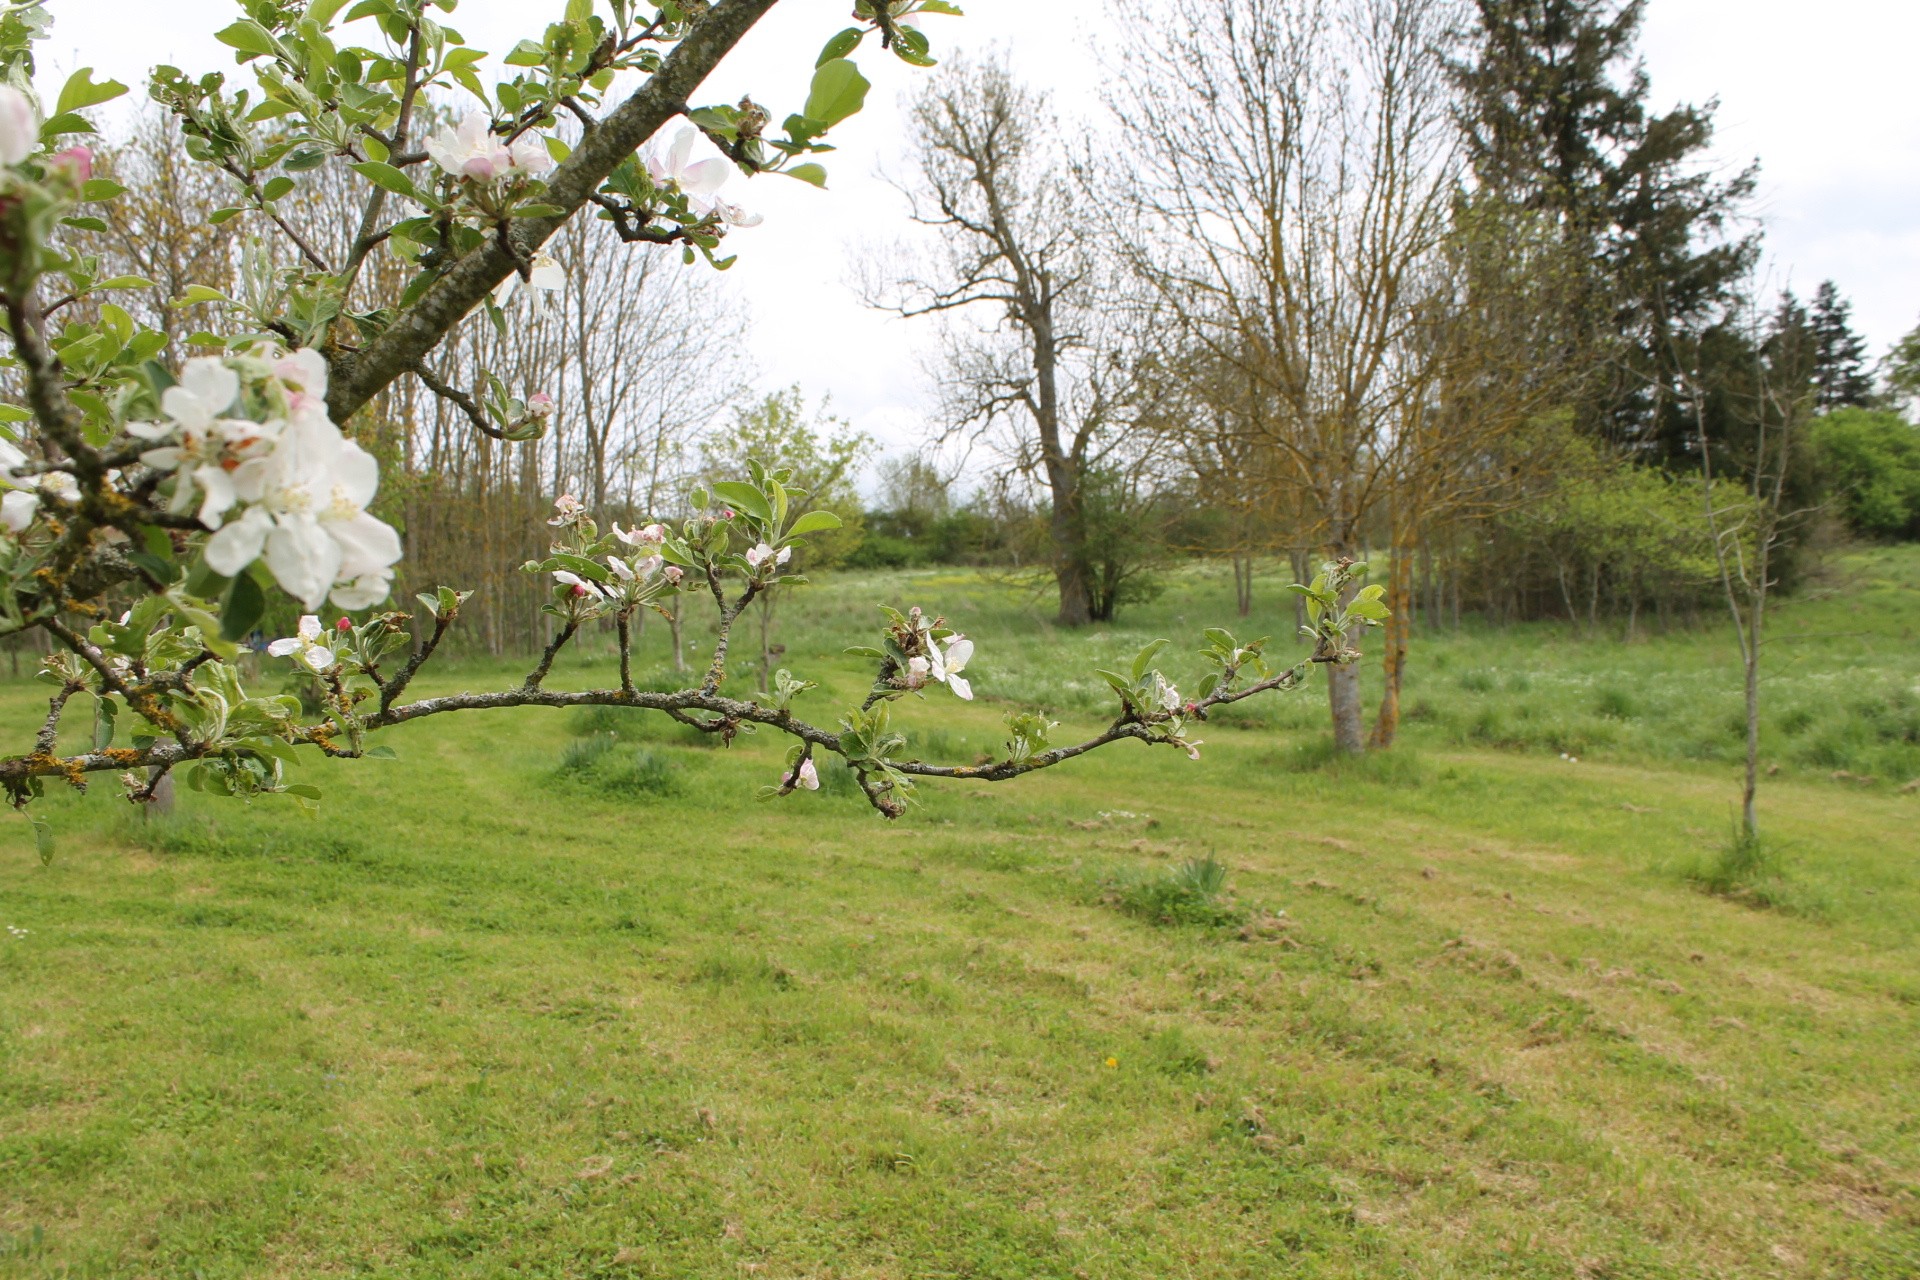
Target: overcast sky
[[1819, 93]]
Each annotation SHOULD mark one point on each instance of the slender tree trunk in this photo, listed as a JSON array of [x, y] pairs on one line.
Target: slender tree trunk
[[1393, 654], [1243, 583], [676, 621], [1343, 685], [1302, 574]]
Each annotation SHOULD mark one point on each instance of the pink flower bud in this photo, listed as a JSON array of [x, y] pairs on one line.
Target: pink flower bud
[[726, 513], [579, 590], [345, 624], [673, 573], [540, 404], [74, 165]]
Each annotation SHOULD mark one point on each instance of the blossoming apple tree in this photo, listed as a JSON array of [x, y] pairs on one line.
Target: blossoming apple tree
[[151, 499]]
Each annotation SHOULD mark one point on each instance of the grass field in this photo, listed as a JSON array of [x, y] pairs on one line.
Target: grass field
[[551, 996]]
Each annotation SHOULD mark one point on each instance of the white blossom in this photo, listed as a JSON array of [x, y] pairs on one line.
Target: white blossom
[[17, 510], [545, 275], [567, 510], [208, 445], [809, 775], [581, 587], [946, 667], [675, 163], [19, 126], [308, 513], [473, 150], [763, 553], [305, 645], [650, 536]]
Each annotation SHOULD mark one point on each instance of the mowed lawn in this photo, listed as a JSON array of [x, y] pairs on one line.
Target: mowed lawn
[[489, 1015]]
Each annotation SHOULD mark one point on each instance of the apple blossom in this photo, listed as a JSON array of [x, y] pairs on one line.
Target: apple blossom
[[809, 776], [946, 667], [209, 446], [472, 150], [675, 163], [308, 513], [305, 645], [17, 510], [567, 510], [650, 536], [580, 588], [544, 274], [73, 166], [540, 405], [763, 553], [19, 125]]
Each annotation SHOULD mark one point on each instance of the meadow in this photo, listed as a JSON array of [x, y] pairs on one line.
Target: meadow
[[551, 995]]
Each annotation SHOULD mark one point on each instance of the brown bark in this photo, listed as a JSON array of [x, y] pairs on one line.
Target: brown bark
[[1393, 653]]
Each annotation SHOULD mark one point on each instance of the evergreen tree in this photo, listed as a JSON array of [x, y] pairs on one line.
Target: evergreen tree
[[1839, 354], [1556, 118]]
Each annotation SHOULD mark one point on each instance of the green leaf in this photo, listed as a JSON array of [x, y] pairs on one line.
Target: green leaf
[[839, 90], [43, 840], [813, 174], [81, 92], [745, 497], [320, 12], [64, 123], [249, 38], [840, 46], [527, 54], [381, 753], [1144, 659], [125, 282], [813, 522], [385, 175], [86, 224], [1119, 683], [100, 189], [197, 293], [276, 187], [240, 612]]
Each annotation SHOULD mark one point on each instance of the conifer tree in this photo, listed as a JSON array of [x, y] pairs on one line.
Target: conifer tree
[[1556, 117], [1840, 374]]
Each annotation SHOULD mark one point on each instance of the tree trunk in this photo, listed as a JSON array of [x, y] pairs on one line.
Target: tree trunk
[[1302, 563], [1393, 654], [675, 625], [1343, 688], [1243, 583]]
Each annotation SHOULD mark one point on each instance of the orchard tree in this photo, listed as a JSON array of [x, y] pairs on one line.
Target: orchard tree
[[158, 494]]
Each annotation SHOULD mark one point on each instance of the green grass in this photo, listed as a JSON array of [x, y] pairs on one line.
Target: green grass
[[504, 1009]]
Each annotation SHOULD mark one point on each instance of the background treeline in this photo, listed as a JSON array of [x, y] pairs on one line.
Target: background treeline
[[1432, 282]]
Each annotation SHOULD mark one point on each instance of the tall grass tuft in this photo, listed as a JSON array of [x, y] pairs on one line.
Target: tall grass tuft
[[1747, 867], [1194, 893]]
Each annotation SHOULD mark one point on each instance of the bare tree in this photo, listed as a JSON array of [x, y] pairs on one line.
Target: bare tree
[[1748, 532], [1296, 165], [1030, 361]]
